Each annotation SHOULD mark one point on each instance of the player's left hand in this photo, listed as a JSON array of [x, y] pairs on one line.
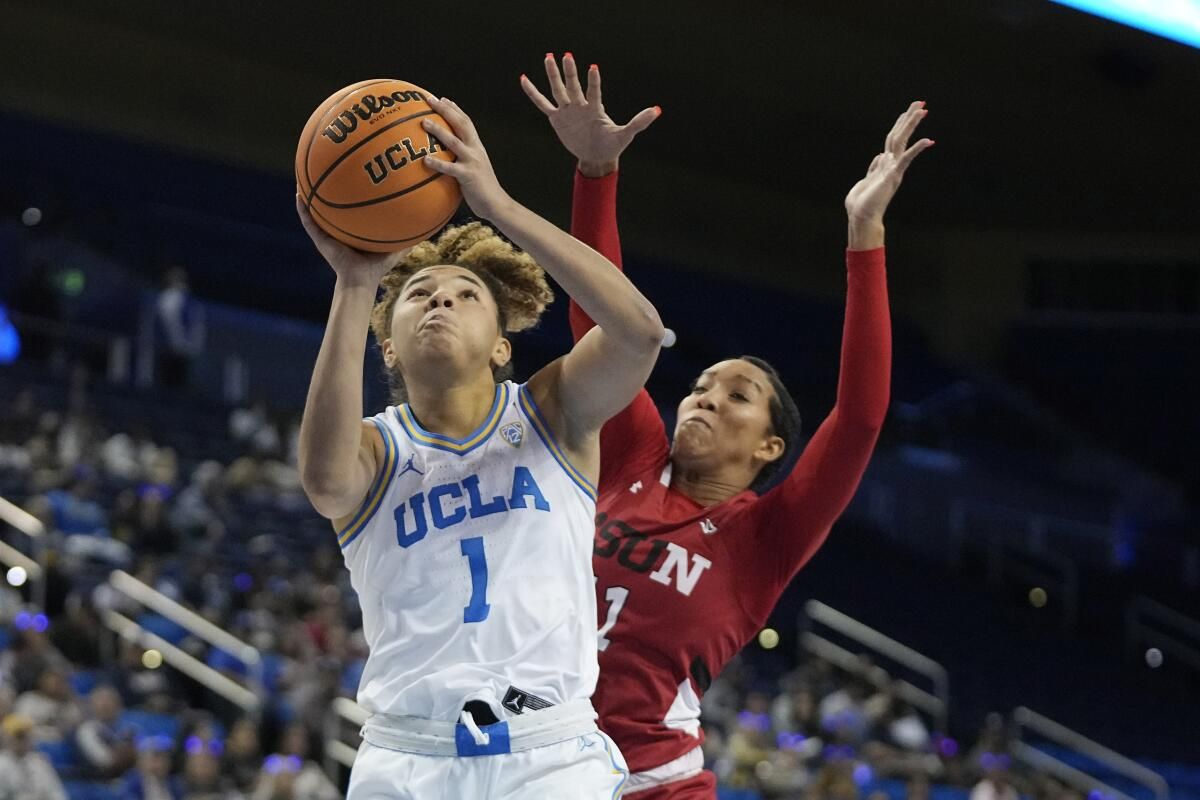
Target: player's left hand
[[579, 118], [472, 169], [869, 198]]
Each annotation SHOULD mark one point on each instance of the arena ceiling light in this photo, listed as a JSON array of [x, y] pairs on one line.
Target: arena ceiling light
[[1173, 19]]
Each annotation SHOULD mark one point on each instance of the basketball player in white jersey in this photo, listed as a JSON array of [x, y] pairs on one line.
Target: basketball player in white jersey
[[466, 514]]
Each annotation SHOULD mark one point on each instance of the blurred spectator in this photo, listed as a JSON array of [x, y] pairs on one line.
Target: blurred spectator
[[128, 456], [51, 705], [104, 745], [152, 778], [796, 711], [311, 782], [25, 774], [28, 656], [243, 754], [179, 321], [75, 511], [844, 712], [750, 742], [19, 418], [76, 633], [254, 427], [138, 685], [996, 784], [835, 781], [203, 778]]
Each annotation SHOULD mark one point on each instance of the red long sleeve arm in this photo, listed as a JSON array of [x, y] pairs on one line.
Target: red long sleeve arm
[[636, 438], [795, 517]]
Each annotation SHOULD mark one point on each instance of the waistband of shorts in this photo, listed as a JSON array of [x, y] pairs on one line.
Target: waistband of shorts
[[520, 732], [687, 765]]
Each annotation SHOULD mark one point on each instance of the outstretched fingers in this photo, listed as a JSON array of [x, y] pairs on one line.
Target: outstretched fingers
[[911, 153], [571, 79], [642, 120], [902, 131], [593, 85], [539, 99], [558, 89]]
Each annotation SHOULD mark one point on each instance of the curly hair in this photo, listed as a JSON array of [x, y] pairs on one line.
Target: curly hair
[[515, 280]]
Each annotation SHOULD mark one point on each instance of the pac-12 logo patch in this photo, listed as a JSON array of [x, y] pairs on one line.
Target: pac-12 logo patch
[[513, 433]]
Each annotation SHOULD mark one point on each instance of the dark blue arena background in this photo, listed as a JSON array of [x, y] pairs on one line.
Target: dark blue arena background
[[1011, 603]]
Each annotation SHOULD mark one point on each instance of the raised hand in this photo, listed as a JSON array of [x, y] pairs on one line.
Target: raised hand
[[350, 265], [579, 118], [869, 198], [472, 169]]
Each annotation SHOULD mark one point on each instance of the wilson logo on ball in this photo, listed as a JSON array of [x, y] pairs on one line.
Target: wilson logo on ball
[[346, 122], [362, 167]]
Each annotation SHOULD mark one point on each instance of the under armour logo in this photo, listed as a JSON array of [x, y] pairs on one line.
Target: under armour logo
[[637, 487], [707, 527], [410, 467]]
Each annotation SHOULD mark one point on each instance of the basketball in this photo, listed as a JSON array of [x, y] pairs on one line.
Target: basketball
[[360, 170]]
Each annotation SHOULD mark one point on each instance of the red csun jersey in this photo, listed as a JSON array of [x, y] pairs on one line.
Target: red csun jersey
[[682, 588]]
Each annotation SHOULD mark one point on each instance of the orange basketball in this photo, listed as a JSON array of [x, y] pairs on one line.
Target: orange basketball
[[360, 167]]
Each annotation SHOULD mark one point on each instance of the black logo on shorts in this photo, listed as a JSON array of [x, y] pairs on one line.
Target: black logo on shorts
[[516, 701]]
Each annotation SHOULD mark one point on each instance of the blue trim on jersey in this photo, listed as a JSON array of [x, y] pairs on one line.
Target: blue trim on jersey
[[457, 446], [498, 740], [375, 497], [617, 769], [534, 415]]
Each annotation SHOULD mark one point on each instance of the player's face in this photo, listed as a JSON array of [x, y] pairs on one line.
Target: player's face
[[727, 419], [445, 317]]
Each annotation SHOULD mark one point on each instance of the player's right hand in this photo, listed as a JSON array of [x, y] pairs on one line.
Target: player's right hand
[[579, 118], [350, 265]]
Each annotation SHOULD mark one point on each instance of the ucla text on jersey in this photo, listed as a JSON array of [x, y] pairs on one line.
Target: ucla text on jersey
[[472, 561]]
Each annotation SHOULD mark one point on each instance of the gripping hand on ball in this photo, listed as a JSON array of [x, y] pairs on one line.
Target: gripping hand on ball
[[869, 198], [352, 266], [472, 167], [579, 118]]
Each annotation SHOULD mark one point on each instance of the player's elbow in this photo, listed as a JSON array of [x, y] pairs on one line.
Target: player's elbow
[[645, 332], [332, 498]]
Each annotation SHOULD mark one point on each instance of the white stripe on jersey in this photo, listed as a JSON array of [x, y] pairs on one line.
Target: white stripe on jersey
[[472, 563]]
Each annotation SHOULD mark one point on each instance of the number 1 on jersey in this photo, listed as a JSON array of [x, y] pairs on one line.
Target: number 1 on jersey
[[616, 596], [477, 610]]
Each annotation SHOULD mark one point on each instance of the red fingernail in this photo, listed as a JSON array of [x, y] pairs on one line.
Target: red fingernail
[[932, 142], [594, 66], [658, 110], [549, 55], [523, 77], [568, 55], [922, 102]]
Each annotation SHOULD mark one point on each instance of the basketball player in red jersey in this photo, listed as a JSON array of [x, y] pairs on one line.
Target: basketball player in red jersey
[[697, 537]]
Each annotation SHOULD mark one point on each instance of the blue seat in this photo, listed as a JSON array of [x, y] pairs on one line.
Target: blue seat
[[62, 755], [161, 626], [86, 790], [83, 681], [145, 723]]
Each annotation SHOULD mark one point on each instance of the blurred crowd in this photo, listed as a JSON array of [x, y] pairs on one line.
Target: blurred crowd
[[97, 715]]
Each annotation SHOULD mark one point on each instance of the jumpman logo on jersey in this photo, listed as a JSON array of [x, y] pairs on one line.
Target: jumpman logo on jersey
[[708, 527], [410, 467], [637, 487]]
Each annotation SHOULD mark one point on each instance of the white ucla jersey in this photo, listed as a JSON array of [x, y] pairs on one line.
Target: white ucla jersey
[[472, 559]]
